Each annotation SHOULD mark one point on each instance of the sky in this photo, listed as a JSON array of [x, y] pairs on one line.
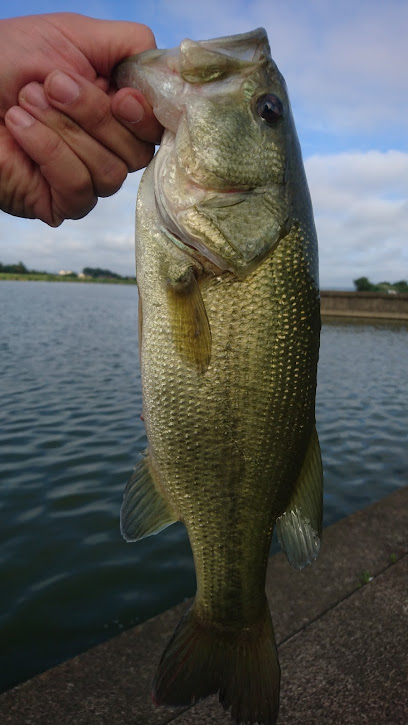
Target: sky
[[345, 65]]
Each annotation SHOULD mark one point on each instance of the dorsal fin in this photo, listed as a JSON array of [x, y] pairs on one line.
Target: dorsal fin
[[202, 65]]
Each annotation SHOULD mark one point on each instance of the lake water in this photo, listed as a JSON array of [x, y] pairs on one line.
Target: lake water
[[70, 433]]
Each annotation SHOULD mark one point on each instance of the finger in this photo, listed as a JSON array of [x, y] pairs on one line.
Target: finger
[[131, 108], [107, 171], [90, 107], [104, 42], [70, 186], [18, 176]]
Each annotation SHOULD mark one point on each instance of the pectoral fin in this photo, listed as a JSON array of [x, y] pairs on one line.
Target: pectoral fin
[[299, 528], [144, 510], [189, 321]]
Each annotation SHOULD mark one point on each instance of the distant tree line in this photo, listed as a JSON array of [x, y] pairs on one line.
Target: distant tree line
[[363, 284], [93, 272], [96, 272], [18, 268]]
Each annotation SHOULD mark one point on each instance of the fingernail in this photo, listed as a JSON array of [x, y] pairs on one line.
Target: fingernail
[[130, 110], [62, 88], [19, 117], [34, 94]]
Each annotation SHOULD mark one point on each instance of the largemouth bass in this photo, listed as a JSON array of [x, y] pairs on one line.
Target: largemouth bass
[[227, 272]]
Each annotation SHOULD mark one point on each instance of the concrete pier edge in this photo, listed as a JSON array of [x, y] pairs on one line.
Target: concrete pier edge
[[364, 306], [341, 627]]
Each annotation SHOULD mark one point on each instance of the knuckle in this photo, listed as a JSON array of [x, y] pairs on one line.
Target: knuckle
[[77, 189], [146, 35], [52, 147], [62, 210], [55, 220], [111, 177], [143, 156], [101, 113], [82, 187], [83, 210]]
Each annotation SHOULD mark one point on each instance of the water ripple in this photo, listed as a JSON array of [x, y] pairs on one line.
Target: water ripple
[[70, 434]]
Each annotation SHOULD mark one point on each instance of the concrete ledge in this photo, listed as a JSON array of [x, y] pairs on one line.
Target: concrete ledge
[[342, 646], [363, 315], [368, 305]]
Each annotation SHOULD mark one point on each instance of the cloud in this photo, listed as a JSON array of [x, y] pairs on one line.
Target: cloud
[[345, 64], [104, 238], [361, 213], [360, 205]]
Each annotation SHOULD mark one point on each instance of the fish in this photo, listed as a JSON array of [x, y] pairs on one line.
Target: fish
[[229, 326]]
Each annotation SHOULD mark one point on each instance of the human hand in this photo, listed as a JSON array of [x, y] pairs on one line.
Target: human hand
[[66, 135]]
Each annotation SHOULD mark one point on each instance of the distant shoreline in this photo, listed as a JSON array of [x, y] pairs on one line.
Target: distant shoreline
[[334, 304], [32, 277]]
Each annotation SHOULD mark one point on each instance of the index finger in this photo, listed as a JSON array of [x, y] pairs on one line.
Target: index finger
[[103, 42]]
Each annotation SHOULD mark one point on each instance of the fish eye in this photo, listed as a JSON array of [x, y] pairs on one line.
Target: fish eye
[[269, 107]]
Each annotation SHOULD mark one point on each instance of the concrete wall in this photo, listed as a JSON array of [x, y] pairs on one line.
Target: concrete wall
[[364, 304]]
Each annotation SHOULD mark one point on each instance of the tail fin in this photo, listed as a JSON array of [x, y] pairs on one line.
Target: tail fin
[[243, 666]]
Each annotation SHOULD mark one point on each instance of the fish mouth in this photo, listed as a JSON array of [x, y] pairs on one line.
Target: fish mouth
[[161, 74]]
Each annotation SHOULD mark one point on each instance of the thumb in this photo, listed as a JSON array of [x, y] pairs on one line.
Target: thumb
[[105, 42]]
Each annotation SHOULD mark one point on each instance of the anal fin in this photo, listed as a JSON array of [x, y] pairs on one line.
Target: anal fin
[[299, 527], [144, 510]]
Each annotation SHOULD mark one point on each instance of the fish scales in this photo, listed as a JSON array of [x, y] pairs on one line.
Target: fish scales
[[219, 425], [227, 274]]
